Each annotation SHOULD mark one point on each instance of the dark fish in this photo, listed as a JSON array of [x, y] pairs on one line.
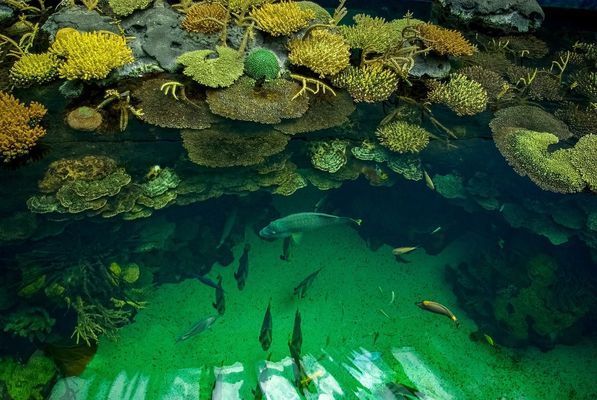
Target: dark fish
[[294, 224], [438, 308], [296, 342], [287, 244], [302, 287], [243, 268], [199, 327], [207, 281], [220, 303], [228, 225], [265, 336]]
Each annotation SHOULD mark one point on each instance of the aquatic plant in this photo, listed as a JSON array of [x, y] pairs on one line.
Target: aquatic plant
[[322, 51], [267, 104], [282, 19], [329, 156], [262, 64], [89, 55], [32, 323], [370, 83], [221, 71], [403, 137], [84, 119], [127, 7], [445, 41], [28, 381], [205, 17], [461, 94], [19, 126], [34, 69], [493, 83]]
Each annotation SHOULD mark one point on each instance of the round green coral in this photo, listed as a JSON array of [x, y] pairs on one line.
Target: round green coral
[[403, 137], [221, 71], [262, 63]]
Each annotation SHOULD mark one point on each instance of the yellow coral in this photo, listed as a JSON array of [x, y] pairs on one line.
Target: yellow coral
[[374, 34], [282, 19], [324, 52], [90, 55], [461, 94], [34, 69], [19, 131], [205, 18], [403, 137], [370, 83], [445, 41]]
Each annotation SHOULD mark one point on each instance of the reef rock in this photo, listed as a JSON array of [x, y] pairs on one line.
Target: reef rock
[[79, 18], [501, 15]]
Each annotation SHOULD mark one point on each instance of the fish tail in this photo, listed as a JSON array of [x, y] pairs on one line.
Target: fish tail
[[358, 221]]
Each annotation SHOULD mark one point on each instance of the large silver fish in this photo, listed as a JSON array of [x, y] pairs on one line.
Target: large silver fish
[[302, 222], [199, 327]]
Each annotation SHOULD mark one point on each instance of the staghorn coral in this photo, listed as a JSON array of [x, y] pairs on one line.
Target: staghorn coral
[[531, 118], [19, 129], [95, 320], [89, 55], [445, 41], [491, 81], [222, 148], [267, 104], [282, 19], [322, 51], [127, 7], [461, 94], [371, 83], [34, 69], [372, 34], [205, 17], [262, 64], [221, 71], [84, 119], [403, 137], [329, 156]]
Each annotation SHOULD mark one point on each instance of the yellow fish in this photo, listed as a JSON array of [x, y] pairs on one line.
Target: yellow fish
[[403, 250], [489, 339], [428, 181]]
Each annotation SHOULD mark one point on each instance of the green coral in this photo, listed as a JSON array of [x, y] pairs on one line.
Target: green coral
[[221, 71], [403, 137], [33, 323], [329, 156], [262, 63], [583, 157], [126, 7], [462, 95], [370, 84], [28, 381]]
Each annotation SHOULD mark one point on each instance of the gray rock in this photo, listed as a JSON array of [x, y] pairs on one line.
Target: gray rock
[[79, 18], [431, 66], [501, 15]]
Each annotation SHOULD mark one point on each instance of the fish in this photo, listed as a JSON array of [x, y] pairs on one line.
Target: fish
[[228, 225], [302, 287], [295, 344], [294, 224], [207, 281], [428, 181], [220, 304], [286, 245], [398, 251], [243, 268], [436, 230], [489, 339], [199, 327], [320, 203], [265, 335], [438, 308]]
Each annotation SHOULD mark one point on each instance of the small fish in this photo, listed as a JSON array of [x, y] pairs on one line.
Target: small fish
[[286, 245], [428, 181], [302, 287], [320, 203], [489, 339], [438, 308], [302, 222], [436, 230], [265, 335], [199, 327], [207, 281], [398, 251], [502, 207], [228, 225], [243, 268], [220, 303], [296, 342]]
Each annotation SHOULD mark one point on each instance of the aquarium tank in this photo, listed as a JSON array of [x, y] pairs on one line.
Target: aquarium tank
[[285, 200]]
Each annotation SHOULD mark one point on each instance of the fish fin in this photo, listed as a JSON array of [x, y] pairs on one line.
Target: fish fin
[[358, 221], [297, 237]]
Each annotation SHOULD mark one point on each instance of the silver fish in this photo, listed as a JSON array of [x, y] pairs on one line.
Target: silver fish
[[302, 222], [199, 327], [228, 225]]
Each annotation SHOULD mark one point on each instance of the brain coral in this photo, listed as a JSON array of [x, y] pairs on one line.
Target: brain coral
[[461, 94], [34, 69], [371, 83], [324, 52], [403, 137], [262, 63], [282, 19], [221, 71], [126, 7], [205, 17]]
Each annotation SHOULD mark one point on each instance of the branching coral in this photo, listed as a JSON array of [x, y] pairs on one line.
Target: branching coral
[[205, 17], [372, 34], [95, 320], [34, 69], [445, 41], [461, 94], [585, 83], [492, 82], [126, 7], [370, 83], [580, 121], [262, 64], [403, 137], [90, 55], [324, 52], [282, 19], [19, 129], [535, 84], [221, 71]]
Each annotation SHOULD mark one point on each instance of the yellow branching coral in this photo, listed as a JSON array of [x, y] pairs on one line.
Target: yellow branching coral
[[205, 18], [90, 55], [282, 19], [126, 7], [34, 69], [461, 94], [19, 129], [445, 41], [403, 137], [370, 83], [372, 34], [324, 52]]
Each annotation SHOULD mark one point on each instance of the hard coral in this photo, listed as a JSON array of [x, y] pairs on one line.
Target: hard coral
[[583, 157], [531, 118], [585, 83], [126, 7], [19, 129], [262, 64], [322, 51], [403, 137], [329, 156], [34, 69], [372, 34], [282, 19], [445, 41], [90, 55], [70, 169], [213, 72], [84, 119], [205, 17], [491, 81], [461, 94], [371, 83]]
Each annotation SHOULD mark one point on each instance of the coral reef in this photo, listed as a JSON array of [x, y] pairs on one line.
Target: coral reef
[[322, 51], [29, 381], [282, 19], [525, 45], [70, 169], [583, 157], [221, 71], [19, 129], [536, 85], [32, 323], [372, 34], [461, 94], [84, 119], [262, 64], [528, 117], [445, 41], [580, 121], [127, 7], [406, 165], [329, 156], [491, 81], [402, 137], [205, 17], [585, 83], [371, 83], [34, 69]]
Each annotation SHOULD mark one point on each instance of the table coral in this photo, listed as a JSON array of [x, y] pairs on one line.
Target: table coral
[[403, 137], [262, 64], [282, 19], [329, 156], [205, 17], [370, 83], [461, 94], [322, 51], [583, 157], [70, 169], [19, 129], [127, 7], [445, 41], [529, 117], [34, 69], [221, 71]]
